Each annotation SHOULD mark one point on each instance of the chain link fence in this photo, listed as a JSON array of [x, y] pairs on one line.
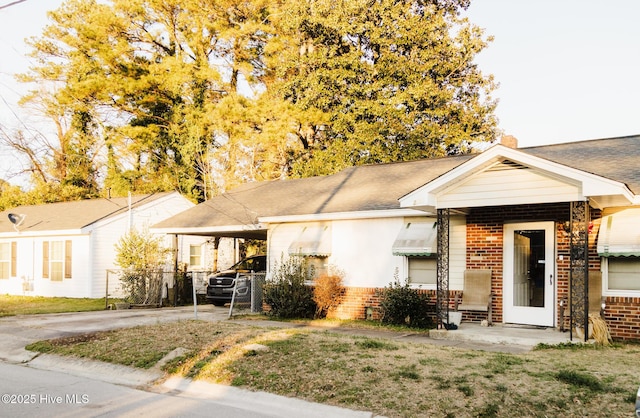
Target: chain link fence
[[167, 288], [247, 294], [137, 288], [154, 288]]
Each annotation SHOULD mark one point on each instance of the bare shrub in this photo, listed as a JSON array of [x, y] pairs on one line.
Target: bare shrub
[[327, 293]]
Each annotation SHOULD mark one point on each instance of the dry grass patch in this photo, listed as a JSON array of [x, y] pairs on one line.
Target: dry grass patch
[[384, 376]]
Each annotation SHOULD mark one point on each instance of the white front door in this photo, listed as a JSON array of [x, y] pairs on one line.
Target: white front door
[[529, 273]]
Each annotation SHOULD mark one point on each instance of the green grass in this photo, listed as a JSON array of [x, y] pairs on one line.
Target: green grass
[[29, 305], [386, 377]]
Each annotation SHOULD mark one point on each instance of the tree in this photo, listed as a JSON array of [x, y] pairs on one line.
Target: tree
[[151, 72], [199, 96], [380, 81], [62, 166]]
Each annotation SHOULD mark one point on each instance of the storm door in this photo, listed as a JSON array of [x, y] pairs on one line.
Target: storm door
[[529, 273]]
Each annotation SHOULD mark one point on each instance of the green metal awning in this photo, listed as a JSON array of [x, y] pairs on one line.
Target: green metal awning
[[619, 234], [416, 239]]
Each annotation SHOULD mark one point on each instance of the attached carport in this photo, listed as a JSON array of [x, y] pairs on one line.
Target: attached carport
[[221, 217]]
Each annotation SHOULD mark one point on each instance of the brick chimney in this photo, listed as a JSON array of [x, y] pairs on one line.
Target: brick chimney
[[509, 141]]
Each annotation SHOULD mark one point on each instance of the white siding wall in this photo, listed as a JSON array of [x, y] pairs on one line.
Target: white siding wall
[[508, 187], [93, 253], [106, 234], [24, 268], [362, 250], [103, 241], [457, 252], [30, 259]]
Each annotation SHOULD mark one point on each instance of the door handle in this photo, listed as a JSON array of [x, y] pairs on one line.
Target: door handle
[[551, 279]]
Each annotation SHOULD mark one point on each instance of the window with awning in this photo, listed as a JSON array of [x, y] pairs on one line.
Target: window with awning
[[422, 270], [619, 234], [416, 239], [623, 274], [313, 241]]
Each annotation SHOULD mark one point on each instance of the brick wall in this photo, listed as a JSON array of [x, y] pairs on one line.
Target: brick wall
[[485, 241], [484, 250], [354, 304], [356, 300], [622, 314]]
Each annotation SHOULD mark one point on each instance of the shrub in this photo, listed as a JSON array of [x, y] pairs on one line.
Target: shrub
[[327, 292], [286, 291], [141, 257], [402, 305]]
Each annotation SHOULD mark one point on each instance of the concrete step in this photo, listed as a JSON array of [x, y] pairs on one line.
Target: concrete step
[[502, 334]]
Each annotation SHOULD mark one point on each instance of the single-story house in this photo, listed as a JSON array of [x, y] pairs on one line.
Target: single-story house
[[543, 220], [66, 249]]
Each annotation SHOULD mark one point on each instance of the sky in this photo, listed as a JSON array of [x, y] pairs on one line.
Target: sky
[[567, 69]]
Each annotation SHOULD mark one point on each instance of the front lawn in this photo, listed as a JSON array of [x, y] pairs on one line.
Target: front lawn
[[386, 377], [23, 305]]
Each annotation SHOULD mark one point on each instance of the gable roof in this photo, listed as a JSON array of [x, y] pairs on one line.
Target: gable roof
[[506, 176], [613, 158], [379, 187], [75, 215], [354, 189]]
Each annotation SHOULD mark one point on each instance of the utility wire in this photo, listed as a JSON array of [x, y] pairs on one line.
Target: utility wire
[[13, 3]]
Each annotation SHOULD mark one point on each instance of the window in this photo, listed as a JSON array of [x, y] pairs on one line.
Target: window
[[195, 255], [56, 260], [318, 264], [8, 258], [422, 270], [623, 273]]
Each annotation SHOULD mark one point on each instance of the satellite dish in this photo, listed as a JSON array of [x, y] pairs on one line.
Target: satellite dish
[[16, 219]]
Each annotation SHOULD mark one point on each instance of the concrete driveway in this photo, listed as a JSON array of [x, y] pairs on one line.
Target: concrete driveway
[[18, 331], [44, 376]]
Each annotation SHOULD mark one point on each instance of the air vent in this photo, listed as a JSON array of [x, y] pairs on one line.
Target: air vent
[[507, 165]]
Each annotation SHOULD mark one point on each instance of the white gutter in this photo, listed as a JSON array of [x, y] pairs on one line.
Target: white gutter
[[340, 216], [200, 230], [66, 232]]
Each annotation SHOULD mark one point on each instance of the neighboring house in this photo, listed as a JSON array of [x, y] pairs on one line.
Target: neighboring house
[[543, 219], [65, 249]]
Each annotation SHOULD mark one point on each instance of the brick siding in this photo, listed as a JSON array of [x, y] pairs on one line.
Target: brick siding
[[485, 250], [622, 314]]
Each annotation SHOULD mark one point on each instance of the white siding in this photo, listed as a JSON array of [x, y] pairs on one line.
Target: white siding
[[103, 241], [508, 187], [74, 287], [105, 235], [362, 249], [24, 268], [93, 252], [457, 252]]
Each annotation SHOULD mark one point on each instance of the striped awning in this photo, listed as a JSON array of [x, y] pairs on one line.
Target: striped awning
[[619, 234], [313, 241], [416, 238]]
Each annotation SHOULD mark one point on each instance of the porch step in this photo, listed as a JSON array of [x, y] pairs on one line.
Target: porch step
[[502, 334]]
